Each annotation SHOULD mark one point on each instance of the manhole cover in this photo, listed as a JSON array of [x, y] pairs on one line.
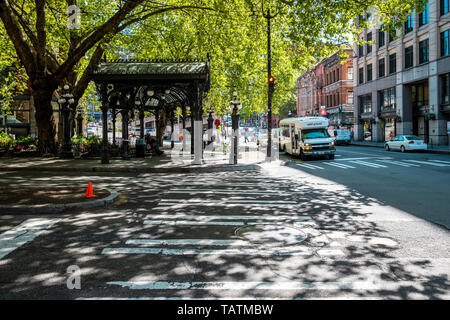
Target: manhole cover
[[271, 235]]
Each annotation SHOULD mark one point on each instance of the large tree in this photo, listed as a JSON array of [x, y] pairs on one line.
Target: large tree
[[233, 31]]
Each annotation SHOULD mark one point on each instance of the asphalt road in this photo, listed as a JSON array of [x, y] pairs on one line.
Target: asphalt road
[[308, 230]]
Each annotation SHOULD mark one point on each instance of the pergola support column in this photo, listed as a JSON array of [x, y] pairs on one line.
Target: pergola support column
[[105, 155], [125, 155]]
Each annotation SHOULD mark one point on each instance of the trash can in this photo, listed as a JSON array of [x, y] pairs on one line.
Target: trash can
[[140, 148]]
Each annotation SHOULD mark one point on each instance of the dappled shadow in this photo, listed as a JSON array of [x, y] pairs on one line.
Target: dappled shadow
[[348, 250]]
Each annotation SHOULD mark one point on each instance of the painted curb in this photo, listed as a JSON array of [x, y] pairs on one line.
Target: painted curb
[[57, 208]]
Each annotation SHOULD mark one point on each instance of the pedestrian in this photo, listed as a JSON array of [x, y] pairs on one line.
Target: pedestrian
[[246, 135]]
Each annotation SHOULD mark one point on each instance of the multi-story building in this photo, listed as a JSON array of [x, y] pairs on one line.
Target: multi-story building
[[328, 85], [402, 82], [338, 89]]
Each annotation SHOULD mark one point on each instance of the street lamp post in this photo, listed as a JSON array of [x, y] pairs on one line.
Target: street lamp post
[[65, 102], [235, 105], [79, 123]]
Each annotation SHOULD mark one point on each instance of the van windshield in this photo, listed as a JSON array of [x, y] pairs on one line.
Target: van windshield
[[314, 134]]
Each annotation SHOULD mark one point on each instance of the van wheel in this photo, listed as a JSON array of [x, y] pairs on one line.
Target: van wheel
[[331, 157]]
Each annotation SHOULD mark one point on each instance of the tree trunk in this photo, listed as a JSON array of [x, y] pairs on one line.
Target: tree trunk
[[45, 122]]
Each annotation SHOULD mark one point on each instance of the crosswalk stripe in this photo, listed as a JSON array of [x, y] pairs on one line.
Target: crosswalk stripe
[[373, 165], [223, 204], [231, 298], [398, 163], [201, 242], [229, 201], [430, 163], [23, 233], [339, 165], [363, 158], [229, 217], [220, 191], [299, 251], [195, 223], [440, 161], [308, 166], [249, 285]]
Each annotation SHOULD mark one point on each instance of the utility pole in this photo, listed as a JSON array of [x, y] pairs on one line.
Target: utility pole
[[269, 89]]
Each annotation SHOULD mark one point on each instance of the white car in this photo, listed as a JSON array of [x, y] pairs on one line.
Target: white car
[[405, 143]]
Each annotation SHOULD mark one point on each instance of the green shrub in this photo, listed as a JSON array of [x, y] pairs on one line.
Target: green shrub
[[5, 141]]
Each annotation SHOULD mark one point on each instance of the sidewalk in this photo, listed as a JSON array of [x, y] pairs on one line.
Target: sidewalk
[[169, 162], [431, 149]]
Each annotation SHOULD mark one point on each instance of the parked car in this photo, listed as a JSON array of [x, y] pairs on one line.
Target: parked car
[[405, 143], [342, 136]]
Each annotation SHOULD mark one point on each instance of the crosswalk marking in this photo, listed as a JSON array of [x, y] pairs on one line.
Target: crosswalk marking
[[230, 201], [201, 242], [298, 251], [339, 165], [440, 161], [195, 223], [248, 285], [430, 163], [398, 163], [228, 217], [220, 191], [309, 166], [367, 164], [232, 298]]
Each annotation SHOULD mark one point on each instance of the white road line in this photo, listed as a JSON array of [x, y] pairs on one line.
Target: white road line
[[201, 242], [220, 191], [430, 163], [23, 233], [229, 201], [308, 166], [223, 204], [339, 165], [230, 217], [398, 163], [330, 252], [230, 298], [440, 161], [364, 158], [367, 164], [195, 223], [241, 285], [299, 251]]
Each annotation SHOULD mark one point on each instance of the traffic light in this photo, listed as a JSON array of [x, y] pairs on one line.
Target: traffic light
[[271, 84]]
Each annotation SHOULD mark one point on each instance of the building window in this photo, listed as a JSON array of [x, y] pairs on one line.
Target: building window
[[360, 50], [409, 24], [350, 73], [369, 40], [445, 7], [361, 75], [381, 68], [365, 103], [387, 99], [445, 89], [445, 43], [369, 72], [409, 56], [381, 37], [350, 96], [337, 74], [420, 95], [424, 16], [392, 63], [423, 51]]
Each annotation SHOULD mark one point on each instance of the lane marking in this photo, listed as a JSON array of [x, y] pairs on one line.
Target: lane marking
[[23, 233], [230, 217], [441, 161], [250, 285], [201, 242], [229, 201], [430, 163], [367, 164], [339, 165], [299, 251], [308, 166], [400, 163], [363, 158]]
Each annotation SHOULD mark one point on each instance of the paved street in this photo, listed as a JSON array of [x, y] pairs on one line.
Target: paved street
[[356, 227]]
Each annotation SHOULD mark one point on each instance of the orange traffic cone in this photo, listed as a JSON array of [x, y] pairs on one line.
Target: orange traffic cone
[[89, 191]]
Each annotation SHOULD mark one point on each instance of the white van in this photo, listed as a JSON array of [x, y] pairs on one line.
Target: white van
[[306, 136], [342, 136]]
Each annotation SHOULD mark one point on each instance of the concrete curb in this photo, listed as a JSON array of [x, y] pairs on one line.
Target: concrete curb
[[58, 208], [141, 170], [375, 146]]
